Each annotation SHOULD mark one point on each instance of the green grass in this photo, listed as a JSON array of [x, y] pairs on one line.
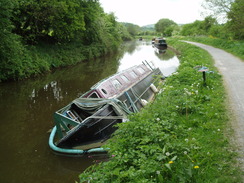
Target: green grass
[[181, 137], [234, 47]]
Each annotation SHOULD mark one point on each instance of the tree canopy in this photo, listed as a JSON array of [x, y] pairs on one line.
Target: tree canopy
[[59, 20], [236, 19], [52, 22], [198, 27], [165, 26], [12, 54], [229, 11], [218, 6]]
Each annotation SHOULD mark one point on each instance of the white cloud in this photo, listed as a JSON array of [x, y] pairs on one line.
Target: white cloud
[[149, 12]]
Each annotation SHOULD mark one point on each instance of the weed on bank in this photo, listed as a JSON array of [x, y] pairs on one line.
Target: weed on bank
[[180, 137]]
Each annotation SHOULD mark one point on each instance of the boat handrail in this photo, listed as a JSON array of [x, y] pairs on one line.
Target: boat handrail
[[106, 117], [146, 63], [73, 115]]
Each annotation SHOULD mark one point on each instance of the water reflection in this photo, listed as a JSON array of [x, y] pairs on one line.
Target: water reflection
[[27, 108], [160, 52], [167, 61]]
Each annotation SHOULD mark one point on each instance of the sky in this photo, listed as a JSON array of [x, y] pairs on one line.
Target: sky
[[145, 12]]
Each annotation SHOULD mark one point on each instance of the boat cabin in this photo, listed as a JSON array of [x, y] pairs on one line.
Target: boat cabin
[[116, 84]]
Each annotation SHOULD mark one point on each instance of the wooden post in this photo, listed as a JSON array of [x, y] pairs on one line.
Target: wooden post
[[204, 78], [203, 70]]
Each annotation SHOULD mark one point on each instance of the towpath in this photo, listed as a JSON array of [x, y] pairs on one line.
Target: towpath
[[232, 70]]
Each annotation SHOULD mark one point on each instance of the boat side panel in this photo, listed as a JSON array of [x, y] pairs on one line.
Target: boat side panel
[[141, 90]]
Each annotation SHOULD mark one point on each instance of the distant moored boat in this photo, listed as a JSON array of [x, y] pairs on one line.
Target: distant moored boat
[[160, 43]]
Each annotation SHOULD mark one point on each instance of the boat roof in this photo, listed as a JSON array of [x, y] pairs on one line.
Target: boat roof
[[134, 68], [117, 83]]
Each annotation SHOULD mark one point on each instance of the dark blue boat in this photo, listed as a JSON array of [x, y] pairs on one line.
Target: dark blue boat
[[160, 43]]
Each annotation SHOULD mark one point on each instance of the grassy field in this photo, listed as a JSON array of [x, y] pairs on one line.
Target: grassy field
[[183, 136]]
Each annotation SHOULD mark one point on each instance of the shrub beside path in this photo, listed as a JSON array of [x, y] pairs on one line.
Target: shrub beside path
[[232, 70]]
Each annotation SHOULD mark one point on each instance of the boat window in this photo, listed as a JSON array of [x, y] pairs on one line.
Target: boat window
[[125, 78], [133, 74], [93, 95], [104, 91], [141, 70], [117, 84], [161, 41]]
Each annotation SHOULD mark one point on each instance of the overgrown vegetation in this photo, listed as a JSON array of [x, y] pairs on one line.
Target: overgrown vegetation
[[180, 137], [225, 21], [13, 56], [73, 30], [234, 47]]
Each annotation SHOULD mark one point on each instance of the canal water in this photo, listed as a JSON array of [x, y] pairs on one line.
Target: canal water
[[27, 107]]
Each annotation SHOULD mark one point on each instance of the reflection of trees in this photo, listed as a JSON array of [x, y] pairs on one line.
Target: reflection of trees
[[164, 54], [130, 47]]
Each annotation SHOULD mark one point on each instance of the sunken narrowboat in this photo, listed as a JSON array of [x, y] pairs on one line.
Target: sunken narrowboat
[[87, 122]]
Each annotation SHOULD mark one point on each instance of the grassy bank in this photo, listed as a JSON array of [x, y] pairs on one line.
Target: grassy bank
[[234, 47], [181, 137], [45, 57]]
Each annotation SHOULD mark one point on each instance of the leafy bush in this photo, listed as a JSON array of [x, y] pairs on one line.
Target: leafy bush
[[14, 59]]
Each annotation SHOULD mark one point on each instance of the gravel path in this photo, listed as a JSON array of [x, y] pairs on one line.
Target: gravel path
[[232, 70]]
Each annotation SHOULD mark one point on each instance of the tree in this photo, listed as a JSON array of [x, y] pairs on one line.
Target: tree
[[200, 27], [165, 26], [95, 22], [236, 19], [192, 29], [53, 19], [12, 53], [218, 8], [231, 11], [208, 22], [132, 28]]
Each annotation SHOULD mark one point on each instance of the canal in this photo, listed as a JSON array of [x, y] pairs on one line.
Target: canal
[[27, 107]]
